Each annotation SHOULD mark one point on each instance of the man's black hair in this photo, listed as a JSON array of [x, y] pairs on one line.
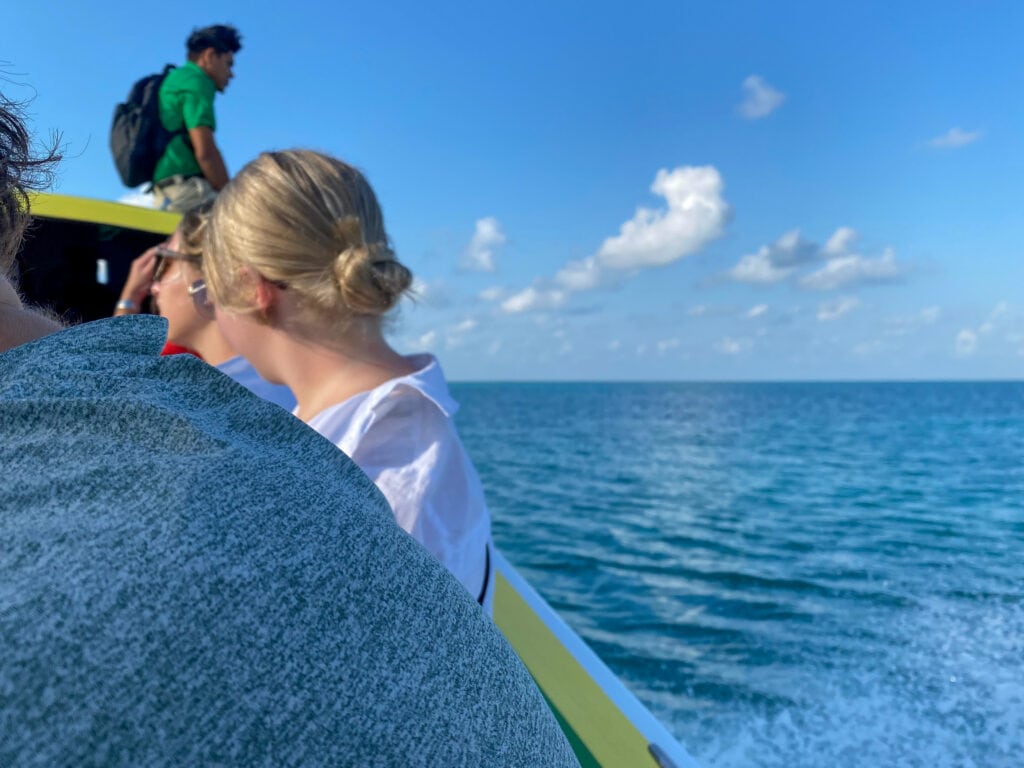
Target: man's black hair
[[221, 37]]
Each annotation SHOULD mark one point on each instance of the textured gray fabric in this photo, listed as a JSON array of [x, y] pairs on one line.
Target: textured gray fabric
[[191, 576]]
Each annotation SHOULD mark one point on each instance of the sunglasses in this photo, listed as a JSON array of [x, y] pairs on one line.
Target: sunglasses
[[165, 255], [200, 299]]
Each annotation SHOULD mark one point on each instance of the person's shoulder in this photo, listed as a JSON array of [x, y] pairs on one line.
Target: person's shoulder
[[425, 388], [188, 76], [127, 336]]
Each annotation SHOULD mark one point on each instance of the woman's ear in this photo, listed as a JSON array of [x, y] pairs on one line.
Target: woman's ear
[[266, 298]]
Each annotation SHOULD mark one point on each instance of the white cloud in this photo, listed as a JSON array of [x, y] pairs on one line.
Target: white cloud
[[426, 341], [759, 98], [581, 275], [955, 138], [853, 270], [758, 268], [666, 344], [697, 311], [455, 335], [492, 294], [999, 312], [757, 311], [494, 348], [695, 216], [532, 299], [138, 198], [730, 346], [929, 315], [777, 261], [840, 242], [966, 343], [833, 310], [487, 238], [614, 345]]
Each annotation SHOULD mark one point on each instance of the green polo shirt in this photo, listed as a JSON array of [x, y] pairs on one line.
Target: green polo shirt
[[186, 101]]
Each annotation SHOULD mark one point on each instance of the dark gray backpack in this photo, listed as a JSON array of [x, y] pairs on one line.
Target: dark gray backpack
[[137, 135]]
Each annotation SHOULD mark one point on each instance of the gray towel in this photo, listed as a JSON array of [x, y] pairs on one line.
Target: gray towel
[[191, 576]]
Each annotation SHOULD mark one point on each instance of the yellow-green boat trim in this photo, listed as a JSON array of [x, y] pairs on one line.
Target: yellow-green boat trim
[[84, 209], [606, 723]]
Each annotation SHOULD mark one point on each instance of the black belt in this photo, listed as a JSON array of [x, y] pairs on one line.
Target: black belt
[[487, 574], [175, 179]]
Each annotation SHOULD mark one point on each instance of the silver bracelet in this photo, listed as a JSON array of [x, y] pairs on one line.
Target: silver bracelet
[[127, 304]]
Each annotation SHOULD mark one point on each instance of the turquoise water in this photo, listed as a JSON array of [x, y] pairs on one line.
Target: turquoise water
[[786, 574]]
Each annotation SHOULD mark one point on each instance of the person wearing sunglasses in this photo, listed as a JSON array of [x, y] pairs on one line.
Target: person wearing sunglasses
[[302, 276], [173, 274]]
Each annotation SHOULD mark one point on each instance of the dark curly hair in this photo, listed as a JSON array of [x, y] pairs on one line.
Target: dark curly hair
[[20, 173], [221, 37]]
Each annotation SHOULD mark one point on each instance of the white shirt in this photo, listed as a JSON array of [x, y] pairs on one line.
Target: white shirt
[[402, 436], [241, 370]]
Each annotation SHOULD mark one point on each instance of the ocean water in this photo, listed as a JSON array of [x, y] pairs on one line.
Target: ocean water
[[786, 574]]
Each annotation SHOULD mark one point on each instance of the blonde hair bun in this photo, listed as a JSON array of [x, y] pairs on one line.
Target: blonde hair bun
[[312, 222], [369, 278]]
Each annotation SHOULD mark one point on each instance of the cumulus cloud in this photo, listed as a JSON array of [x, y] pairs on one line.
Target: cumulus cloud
[[427, 340], [833, 310], [694, 214], [731, 346], [487, 239], [759, 98], [842, 268], [954, 138], [667, 344], [853, 269], [1003, 317], [966, 343], [492, 294], [999, 312], [533, 299], [757, 311], [580, 275], [775, 262], [840, 241]]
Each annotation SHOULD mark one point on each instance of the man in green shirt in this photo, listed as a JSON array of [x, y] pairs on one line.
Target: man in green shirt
[[191, 170]]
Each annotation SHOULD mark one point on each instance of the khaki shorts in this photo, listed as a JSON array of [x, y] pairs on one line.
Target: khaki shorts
[[184, 195]]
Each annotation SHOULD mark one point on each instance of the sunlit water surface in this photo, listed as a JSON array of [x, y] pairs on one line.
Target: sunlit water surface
[[786, 574]]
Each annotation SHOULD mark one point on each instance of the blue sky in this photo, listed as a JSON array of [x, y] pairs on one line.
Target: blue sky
[[651, 190]]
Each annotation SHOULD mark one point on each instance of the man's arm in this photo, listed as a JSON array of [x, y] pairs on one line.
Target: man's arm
[[208, 156]]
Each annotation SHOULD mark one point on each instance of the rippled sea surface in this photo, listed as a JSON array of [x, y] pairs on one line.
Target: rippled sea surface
[[786, 574]]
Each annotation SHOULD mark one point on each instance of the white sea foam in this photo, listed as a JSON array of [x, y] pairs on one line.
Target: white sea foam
[[951, 696]]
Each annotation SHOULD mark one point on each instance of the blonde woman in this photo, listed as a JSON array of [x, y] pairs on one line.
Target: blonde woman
[[302, 276], [173, 274]]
